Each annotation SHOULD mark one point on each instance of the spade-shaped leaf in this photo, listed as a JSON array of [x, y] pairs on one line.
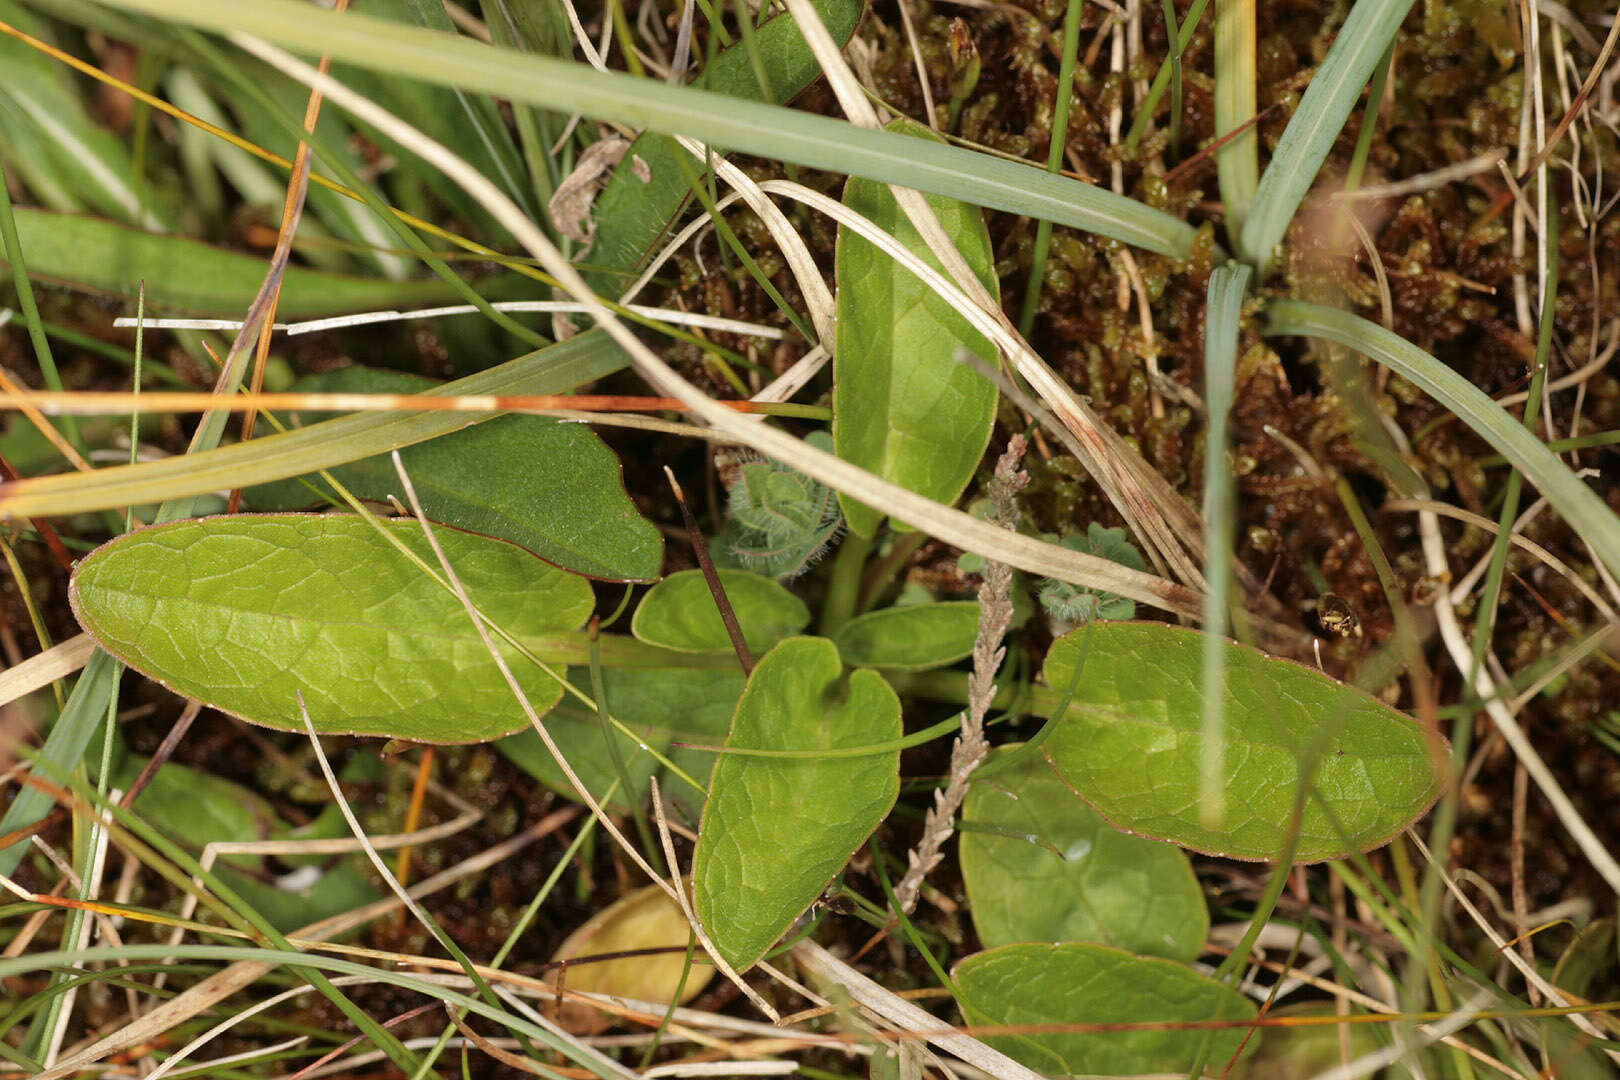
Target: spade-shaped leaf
[[551, 487], [1130, 745], [244, 613], [1079, 983], [777, 829], [680, 613], [904, 406], [1040, 865], [911, 638]]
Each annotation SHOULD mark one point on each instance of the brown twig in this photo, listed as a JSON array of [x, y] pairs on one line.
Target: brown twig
[[700, 548], [291, 212], [995, 614], [164, 751]]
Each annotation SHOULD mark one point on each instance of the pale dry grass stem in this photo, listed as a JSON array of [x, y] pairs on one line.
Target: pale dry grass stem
[[971, 748]]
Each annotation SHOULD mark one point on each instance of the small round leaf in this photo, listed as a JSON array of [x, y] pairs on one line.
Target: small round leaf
[[679, 612], [912, 638]]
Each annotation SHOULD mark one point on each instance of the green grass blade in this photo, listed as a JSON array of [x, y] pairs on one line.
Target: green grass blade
[[554, 369], [769, 131], [65, 746], [1161, 80], [1054, 161], [1227, 289], [1585, 511], [1316, 123], [42, 111], [1238, 162], [189, 277]]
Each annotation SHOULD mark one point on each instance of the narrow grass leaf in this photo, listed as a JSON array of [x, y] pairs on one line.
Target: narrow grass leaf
[[1040, 865], [553, 488], [64, 747], [554, 369], [1583, 508], [1131, 744], [775, 831], [649, 190], [720, 120], [1078, 983], [1237, 163], [1316, 123], [260, 116], [192, 278], [679, 612], [42, 110], [912, 638], [469, 124], [904, 406], [245, 613], [1223, 323]]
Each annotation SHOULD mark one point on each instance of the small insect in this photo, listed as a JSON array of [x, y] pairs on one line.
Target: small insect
[[1337, 616]]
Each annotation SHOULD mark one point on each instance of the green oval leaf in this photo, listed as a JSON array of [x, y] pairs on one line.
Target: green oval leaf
[[553, 488], [1040, 865], [679, 612], [776, 830], [912, 638], [1079, 983], [245, 612], [903, 406], [1130, 745]]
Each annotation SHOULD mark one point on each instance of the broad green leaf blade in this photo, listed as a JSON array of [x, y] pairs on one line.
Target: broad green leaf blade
[[904, 407], [679, 612], [1130, 745], [722, 121], [193, 278], [640, 203], [244, 613], [1322, 111], [776, 830], [552, 370], [1040, 865], [1079, 983], [553, 488], [1583, 508], [912, 638], [661, 705]]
